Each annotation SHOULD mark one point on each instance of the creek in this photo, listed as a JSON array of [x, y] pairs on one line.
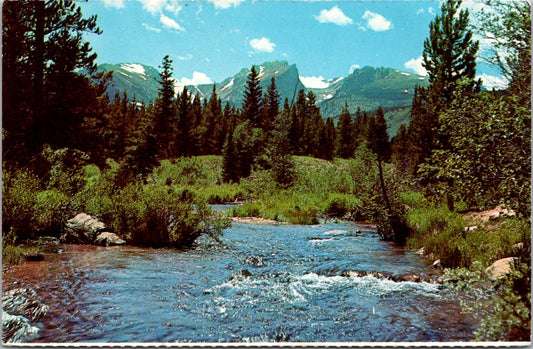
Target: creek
[[264, 282]]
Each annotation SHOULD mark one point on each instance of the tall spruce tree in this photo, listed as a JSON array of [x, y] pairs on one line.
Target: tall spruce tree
[[183, 143], [251, 108], [46, 97], [345, 134], [450, 59], [271, 103], [165, 109], [449, 54]]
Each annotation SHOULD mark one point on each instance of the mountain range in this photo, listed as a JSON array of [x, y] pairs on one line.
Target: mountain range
[[367, 88]]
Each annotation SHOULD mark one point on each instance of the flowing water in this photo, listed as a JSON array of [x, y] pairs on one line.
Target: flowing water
[[268, 282]]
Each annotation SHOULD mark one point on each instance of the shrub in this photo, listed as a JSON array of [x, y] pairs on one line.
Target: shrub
[[66, 169], [339, 205], [156, 216], [502, 308], [18, 202], [52, 209], [221, 194]]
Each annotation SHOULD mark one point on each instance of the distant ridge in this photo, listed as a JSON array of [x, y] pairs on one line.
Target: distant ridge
[[367, 88]]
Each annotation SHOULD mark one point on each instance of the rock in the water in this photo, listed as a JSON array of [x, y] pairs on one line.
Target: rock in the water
[[437, 264], [83, 228], [16, 328], [421, 251], [501, 268], [33, 256], [109, 239]]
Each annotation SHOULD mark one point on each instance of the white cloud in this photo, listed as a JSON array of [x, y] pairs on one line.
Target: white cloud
[[335, 15], [187, 57], [415, 64], [157, 6], [376, 22], [314, 82], [431, 11], [225, 4], [114, 3], [153, 6], [197, 79], [353, 67], [490, 81], [169, 23], [420, 11], [173, 6], [149, 27], [262, 45]]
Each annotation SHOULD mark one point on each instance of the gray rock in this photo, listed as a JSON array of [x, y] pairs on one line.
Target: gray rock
[[83, 228], [501, 268], [437, 264], [109, 239], [33, 256]]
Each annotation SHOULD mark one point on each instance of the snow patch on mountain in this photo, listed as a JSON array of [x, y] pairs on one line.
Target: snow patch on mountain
[[133, 68], [126, 75], [314, 82], [228, 85], [493, 82], [261, 71]]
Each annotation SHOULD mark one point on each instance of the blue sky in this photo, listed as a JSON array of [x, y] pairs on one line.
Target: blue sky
[[210, 40]]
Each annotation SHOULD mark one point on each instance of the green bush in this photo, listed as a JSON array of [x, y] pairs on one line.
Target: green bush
[[338, 205], [194, 171], [223, 193], [156, 216], [66, 169], [503, 309], [19, 195], [52, 209]]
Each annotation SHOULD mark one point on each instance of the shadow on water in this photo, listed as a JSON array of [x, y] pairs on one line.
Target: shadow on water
[[263, 283]]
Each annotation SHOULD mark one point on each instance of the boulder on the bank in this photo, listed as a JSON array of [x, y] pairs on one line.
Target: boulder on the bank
[[83, 228], [437, 264], [33, 256], [501, 268], [109, 239]]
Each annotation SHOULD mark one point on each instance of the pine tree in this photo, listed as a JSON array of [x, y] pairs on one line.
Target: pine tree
[[183, 143], [378, 139], [271, 102], [312, 124], [165, 109], [46, 98], [400, 150], [229, 161], [423, 129], [280, 159], [328, 135], [251, 108], [345, 131], [449, 54]]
